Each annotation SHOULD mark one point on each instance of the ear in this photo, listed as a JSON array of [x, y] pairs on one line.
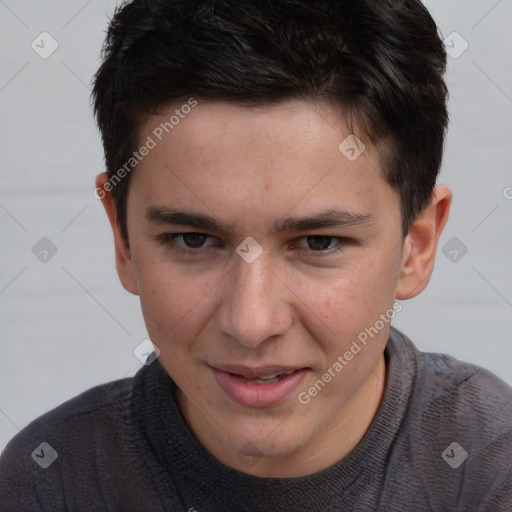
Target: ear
[[124, 262], [420, 245]]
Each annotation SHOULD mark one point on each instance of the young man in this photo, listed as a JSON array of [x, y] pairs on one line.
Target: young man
[[271, 185]]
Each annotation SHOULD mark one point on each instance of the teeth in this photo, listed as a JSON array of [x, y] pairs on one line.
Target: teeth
[[264, 381], [267, 379], [264, 377], [274, 375]]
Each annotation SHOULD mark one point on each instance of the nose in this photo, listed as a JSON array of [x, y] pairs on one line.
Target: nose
[[255, 306]]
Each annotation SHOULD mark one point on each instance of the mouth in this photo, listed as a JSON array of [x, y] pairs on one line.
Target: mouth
[[258, 387], [265, 379]]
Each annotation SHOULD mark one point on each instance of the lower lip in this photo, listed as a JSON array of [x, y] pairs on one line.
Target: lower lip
[[258, 395]]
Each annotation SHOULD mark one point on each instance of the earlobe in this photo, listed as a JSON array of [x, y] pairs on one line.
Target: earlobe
[[421, 244], [124, 262]]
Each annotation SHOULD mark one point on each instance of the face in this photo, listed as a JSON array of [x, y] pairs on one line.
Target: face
[[260, 253]]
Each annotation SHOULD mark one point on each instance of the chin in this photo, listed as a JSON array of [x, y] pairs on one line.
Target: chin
[[264, 448], [265, 439]]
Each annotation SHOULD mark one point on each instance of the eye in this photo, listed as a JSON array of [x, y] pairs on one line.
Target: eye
[[187, 242], [323, 245], [192, 240], [319, 243]]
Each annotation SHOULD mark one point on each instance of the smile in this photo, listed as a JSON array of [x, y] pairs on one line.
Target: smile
[[258, 388]]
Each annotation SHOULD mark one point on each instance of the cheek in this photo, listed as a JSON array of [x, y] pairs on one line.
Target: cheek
[[173, 305], [350, 300]]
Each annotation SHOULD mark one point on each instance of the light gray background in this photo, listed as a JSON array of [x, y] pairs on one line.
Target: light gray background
[[67, 324]]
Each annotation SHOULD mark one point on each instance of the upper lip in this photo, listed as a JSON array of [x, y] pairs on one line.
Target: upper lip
[[255, 372]]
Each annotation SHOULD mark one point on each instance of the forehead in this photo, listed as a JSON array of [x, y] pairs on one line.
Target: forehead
[[296, 155], [287, 129]]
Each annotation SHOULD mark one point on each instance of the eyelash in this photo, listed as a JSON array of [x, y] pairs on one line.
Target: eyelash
[[168, 240]]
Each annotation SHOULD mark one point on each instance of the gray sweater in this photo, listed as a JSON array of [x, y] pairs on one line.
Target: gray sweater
[[441, 441]]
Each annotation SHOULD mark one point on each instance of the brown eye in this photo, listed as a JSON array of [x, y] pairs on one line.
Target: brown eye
[[319, 243], [194, 240]]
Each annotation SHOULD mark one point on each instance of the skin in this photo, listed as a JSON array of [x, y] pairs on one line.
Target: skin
[[299, 303]]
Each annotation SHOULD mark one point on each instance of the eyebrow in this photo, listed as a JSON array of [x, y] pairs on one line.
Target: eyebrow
[[327, 219]]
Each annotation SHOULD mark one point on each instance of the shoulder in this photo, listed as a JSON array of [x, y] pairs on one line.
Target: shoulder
[[446, 382], [105, 400], [68, 432], [460, 431]]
